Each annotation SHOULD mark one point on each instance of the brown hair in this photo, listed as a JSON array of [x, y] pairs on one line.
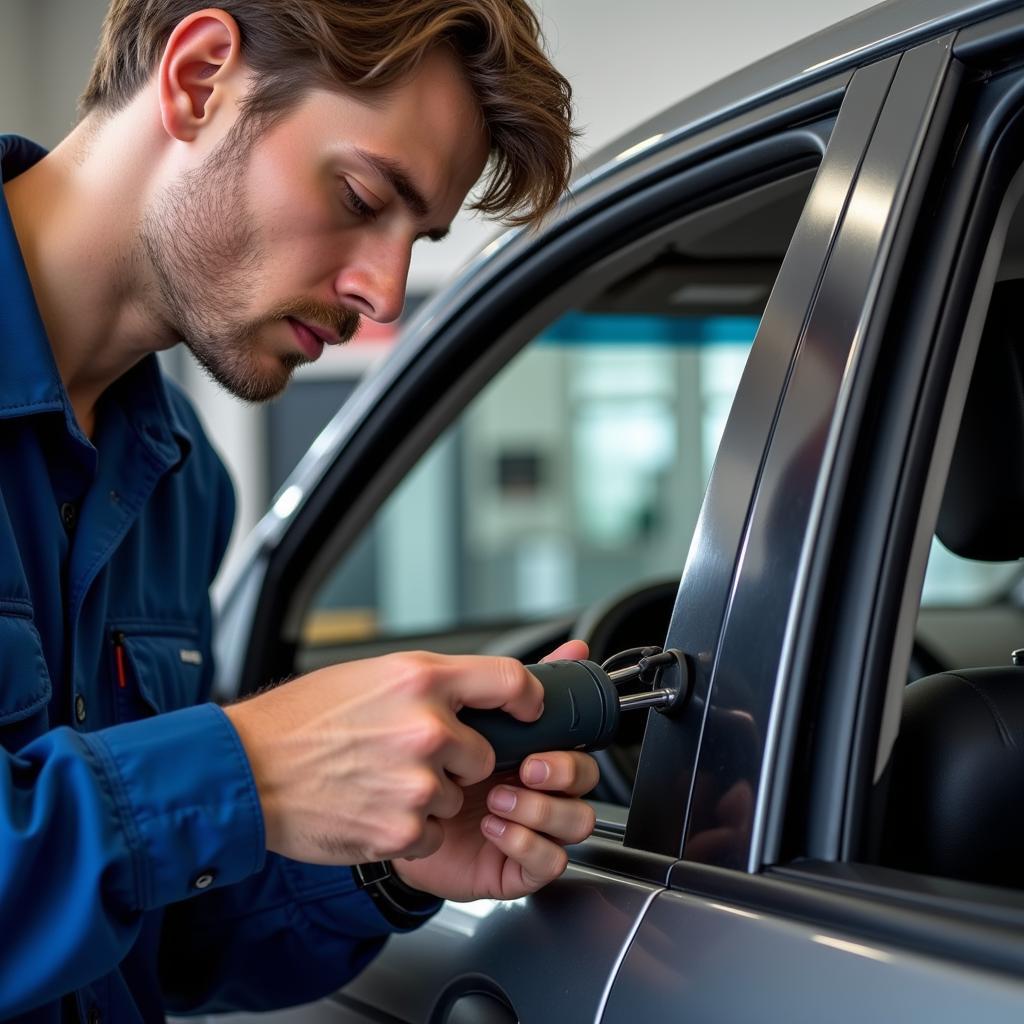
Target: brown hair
[[293, 45]]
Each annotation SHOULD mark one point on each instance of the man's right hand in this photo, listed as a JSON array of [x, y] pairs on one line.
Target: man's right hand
[[357, 762]]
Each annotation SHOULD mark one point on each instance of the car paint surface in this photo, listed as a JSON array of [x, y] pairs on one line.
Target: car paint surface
[[703, 960], [578, 928]]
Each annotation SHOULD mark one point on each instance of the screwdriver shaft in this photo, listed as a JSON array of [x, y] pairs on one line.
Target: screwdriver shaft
[[654, 699], [625, 675]]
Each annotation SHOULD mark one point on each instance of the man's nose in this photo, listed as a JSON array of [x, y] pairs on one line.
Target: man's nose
[[374, 284]]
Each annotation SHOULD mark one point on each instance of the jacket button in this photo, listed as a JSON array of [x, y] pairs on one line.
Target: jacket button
[[68, 515], [204, 881], [79, 708]]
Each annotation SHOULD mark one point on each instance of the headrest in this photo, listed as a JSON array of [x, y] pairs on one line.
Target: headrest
[[957, 778], [982, 514]]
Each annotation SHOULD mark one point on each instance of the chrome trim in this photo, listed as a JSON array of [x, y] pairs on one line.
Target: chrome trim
[[614, 972]]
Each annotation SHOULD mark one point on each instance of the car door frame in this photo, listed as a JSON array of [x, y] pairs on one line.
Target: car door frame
[[875, 934], [821, 935], [607, 862], [976, 187], [790, 522]]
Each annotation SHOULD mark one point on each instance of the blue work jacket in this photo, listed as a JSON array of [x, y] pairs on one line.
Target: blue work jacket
[[134, 878]]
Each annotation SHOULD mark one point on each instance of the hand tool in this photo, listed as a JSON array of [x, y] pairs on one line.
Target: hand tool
[[583, 705]]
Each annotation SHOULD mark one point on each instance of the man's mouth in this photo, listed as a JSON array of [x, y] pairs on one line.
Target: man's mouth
[[311, 341], [325, 334]]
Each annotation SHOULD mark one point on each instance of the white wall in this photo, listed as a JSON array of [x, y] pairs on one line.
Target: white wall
[[625, 61], [16, 72]]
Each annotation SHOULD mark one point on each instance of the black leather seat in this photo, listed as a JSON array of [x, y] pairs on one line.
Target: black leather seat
[[956, 792], [955, 804]]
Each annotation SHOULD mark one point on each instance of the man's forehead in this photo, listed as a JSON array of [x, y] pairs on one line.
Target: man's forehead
[[405, 186], [426, 132]]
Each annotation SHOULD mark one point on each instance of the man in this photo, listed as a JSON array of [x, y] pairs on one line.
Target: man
[[247, 180]]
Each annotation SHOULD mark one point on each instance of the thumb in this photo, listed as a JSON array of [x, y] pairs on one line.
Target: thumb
[[571, 650]]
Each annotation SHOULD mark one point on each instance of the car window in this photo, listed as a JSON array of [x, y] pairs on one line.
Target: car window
[[577, 471], [954, 582], [972, 602], [954, 779]]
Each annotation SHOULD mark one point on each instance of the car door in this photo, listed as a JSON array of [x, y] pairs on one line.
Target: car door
[[781, 906], [716, 238]]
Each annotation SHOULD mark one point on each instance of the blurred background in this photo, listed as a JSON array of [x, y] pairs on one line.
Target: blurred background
[[626, 62]]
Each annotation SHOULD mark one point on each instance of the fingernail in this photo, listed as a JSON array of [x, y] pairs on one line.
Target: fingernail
[[502, 799], [494, 826], [536, 772]]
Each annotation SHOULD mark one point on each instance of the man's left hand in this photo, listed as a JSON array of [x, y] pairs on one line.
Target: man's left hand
[[508, 840]]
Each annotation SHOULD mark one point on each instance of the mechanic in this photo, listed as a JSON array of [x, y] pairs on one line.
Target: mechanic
[[249, 181]]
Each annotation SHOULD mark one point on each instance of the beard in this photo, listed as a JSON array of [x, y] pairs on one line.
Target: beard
[[202, 244]]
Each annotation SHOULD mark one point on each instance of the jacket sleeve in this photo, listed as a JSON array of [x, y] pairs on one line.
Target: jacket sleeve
[[289, 935], [97, 829]]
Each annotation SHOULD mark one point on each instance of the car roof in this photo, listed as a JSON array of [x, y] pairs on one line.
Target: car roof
[[871, 35]]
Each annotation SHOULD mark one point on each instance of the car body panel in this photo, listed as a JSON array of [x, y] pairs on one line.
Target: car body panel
[[578, 927], [716, 960]]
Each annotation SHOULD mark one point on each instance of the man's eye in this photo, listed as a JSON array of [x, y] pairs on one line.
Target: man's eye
[[356, 204]]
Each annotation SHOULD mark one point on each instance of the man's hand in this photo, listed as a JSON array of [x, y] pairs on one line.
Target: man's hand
[[508, 839], [368, 761], [359, 762]]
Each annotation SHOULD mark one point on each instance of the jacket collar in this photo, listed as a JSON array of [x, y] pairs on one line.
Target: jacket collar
[[29, 380]]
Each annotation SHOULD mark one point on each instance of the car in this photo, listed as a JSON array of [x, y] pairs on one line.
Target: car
[[723, 401]]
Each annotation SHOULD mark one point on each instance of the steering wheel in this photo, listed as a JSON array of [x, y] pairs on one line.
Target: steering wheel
[[637, 617]]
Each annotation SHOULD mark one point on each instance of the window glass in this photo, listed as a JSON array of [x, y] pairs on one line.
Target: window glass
[[580, 468], [953, 581], [578, 471]]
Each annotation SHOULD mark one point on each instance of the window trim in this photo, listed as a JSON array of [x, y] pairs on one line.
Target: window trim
[[666, 772], [761, 671]]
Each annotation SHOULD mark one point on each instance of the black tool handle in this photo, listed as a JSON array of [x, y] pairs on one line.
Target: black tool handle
[[581, 712]]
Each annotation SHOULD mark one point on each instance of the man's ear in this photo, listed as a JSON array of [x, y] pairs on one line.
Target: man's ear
[[201, 71]]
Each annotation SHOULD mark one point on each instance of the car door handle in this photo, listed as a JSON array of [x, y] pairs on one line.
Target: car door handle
[[480, 1008]]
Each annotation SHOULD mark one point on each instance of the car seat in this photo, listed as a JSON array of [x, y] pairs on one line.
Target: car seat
[[956, 783]]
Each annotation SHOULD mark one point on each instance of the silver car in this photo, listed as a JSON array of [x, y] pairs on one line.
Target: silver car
[[754, 392]]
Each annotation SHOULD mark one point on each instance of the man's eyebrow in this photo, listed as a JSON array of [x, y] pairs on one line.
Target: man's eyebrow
[[398, 178]]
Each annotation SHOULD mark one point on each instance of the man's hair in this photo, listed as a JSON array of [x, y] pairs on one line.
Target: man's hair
[[368, 45]]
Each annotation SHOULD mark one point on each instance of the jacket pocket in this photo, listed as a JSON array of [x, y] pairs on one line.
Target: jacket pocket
[[157, 668], [25, 687]]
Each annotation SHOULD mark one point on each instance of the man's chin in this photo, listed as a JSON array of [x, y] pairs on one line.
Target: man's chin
[[257, 390], [254, 386]]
